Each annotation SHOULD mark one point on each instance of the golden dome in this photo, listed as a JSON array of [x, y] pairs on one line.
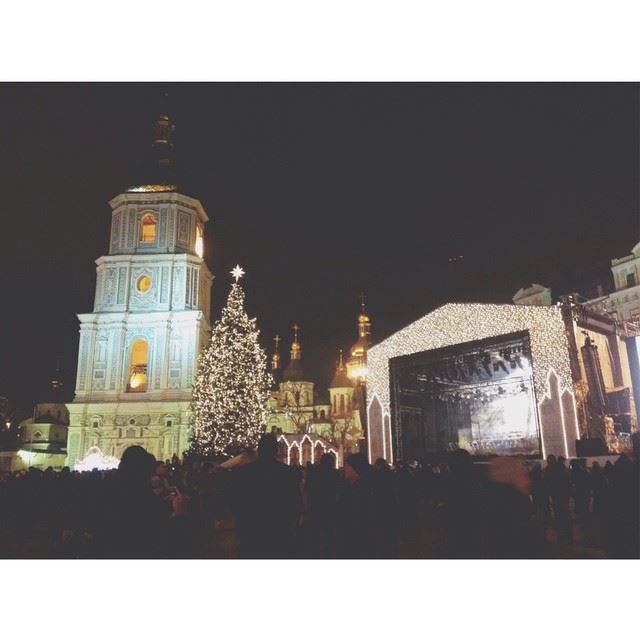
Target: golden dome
[[362, 318]]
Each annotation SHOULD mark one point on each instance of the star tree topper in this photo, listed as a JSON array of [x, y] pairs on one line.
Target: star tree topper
[[237, 272]]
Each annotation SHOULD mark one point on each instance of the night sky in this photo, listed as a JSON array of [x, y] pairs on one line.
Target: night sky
[[320, 191]]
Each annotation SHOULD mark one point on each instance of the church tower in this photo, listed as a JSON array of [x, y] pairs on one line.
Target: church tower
[[341, 392], [297, 388], [357, 363], [139, 347], [276, 371]]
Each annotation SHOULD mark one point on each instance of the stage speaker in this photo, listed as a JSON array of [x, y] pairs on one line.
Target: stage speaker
[[591, 447]]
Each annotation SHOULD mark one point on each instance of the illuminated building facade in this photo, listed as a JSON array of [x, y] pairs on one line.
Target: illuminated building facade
[[624, 300], [42, 438], [138, 348], [622, 305], [604, 347], [296, 408]]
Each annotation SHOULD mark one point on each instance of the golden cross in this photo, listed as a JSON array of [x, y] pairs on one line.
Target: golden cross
[[277, 341]]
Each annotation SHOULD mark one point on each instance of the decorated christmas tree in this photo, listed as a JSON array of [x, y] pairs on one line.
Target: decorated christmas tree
[[231, 388]]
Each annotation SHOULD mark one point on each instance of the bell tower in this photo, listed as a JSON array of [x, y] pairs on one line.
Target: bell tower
[[139, 346]]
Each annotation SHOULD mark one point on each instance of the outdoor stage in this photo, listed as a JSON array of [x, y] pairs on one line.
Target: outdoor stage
[[492, 379]]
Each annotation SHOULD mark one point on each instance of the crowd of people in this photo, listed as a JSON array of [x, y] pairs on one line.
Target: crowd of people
[[456, 508]]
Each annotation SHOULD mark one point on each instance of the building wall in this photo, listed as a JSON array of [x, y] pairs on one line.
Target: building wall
[[157, 291], [174, 340], [162, 428], [624, 302], [626, 271], [36, 432], [342, 401]]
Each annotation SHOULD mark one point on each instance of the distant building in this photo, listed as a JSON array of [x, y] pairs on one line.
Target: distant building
[[332, 419], [624, 301], [623, 306], [295, 403], [41, 439], [536, 295]]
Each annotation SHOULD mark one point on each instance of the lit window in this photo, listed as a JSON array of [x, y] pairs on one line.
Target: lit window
[[143, 284], [199, 241], [137, 382], [148, 229]]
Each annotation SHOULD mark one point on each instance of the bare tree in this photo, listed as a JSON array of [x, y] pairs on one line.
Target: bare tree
[[297, 407], [345, 434]]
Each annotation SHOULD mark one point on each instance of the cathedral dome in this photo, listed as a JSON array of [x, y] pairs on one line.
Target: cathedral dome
[[361, 346], [294, 372], [340, 379]]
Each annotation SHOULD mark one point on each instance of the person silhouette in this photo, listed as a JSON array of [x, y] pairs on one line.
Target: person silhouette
[[266, 503], [356, 538], [323, 492], [133, 519], [385, 510], [511, 529]]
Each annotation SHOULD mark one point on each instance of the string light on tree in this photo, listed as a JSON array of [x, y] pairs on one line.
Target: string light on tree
[[231, 388]]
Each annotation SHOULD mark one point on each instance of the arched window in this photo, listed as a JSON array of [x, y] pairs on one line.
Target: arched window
[[199, 241], [148, 229], [137, 381], [341, 403]]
